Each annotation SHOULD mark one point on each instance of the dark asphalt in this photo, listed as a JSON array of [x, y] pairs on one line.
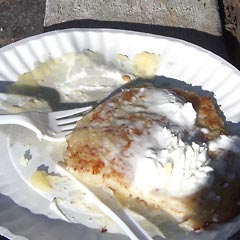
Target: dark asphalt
[[20, 19]]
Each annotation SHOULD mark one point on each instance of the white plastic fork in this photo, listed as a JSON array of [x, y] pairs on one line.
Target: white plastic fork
[[51, 126]]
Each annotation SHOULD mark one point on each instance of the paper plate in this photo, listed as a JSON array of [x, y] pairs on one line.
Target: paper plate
[[25, 211]]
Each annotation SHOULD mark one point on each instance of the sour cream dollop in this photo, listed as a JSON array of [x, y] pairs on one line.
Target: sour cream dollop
[[167, 158]]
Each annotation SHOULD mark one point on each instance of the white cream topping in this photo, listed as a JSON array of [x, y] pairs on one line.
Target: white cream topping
[[164, 163], [164, 103], [165, 158], [228, 143]]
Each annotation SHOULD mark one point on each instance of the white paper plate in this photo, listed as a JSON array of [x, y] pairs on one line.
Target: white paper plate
[[179, 60]]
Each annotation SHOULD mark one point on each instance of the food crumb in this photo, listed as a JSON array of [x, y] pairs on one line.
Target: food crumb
[[126, 78], [25, 159], [104, 229], [15, 109]]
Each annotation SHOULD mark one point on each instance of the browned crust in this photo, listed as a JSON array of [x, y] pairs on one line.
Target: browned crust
[[214, 204], [207, 113]]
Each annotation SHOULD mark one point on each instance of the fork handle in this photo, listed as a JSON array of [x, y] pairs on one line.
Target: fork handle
[[12, 119], [21, 120], [112, 208], [125, 220]]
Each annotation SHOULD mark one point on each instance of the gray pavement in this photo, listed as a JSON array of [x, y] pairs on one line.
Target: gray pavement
[[20, 19]]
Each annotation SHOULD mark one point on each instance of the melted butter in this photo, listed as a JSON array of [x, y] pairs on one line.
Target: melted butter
[[146, 64], [168, 167], [39, 180]]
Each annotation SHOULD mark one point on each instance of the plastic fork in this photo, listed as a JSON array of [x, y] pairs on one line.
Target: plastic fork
[[51, 126]]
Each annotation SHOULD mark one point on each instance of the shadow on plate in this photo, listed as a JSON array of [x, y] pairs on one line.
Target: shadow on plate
[[50, 95], [34, 225]]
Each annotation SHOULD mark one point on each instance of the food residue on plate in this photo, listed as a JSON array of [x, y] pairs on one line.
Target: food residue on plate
[[24, 160], [146, 64], [76, 78], [39, 180]]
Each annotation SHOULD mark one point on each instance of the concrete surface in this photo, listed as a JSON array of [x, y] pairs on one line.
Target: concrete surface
[[231, 22], [199, 15], [232, 17], [20, 19]]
